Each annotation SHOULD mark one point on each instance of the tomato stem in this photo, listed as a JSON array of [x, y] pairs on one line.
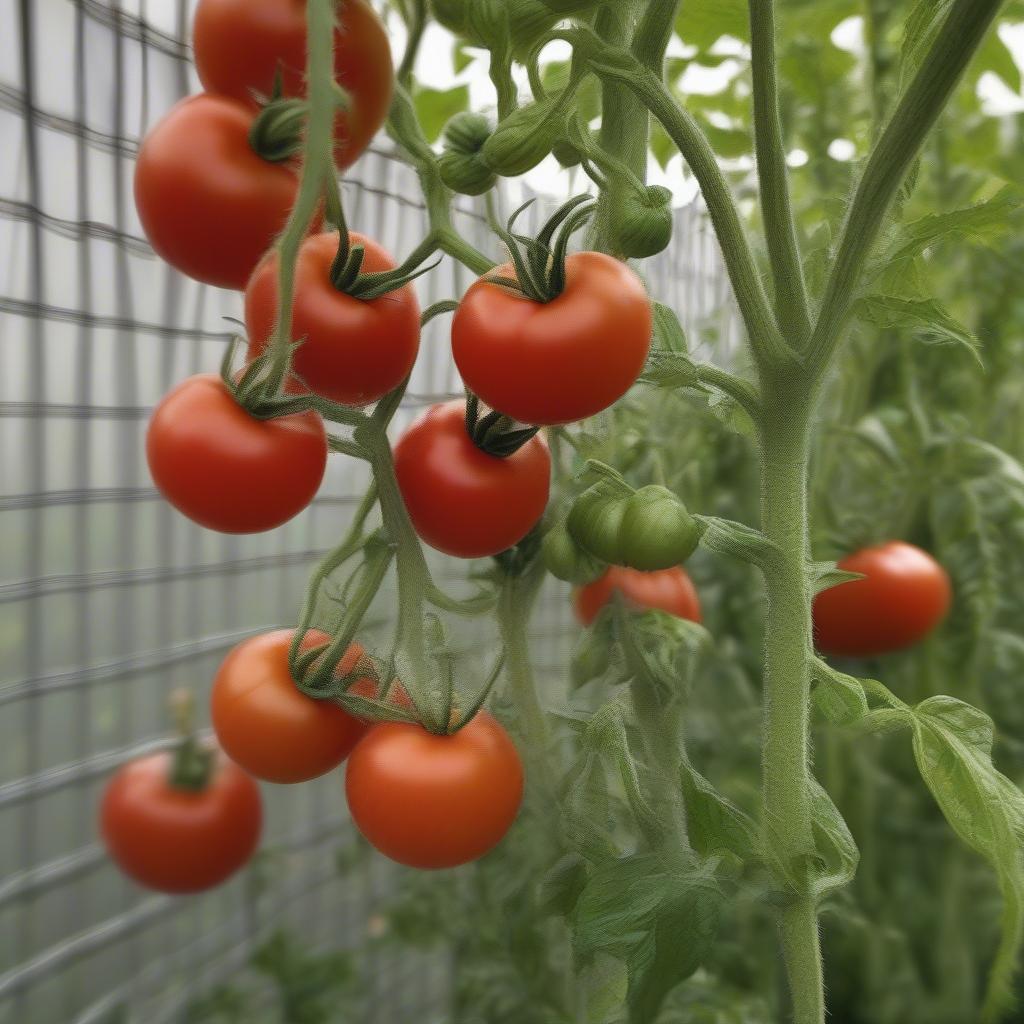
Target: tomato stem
[[317, 169], [192, 762]]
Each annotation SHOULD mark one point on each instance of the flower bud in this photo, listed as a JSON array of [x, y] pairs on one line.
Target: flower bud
[[523, 139], [642, 222]]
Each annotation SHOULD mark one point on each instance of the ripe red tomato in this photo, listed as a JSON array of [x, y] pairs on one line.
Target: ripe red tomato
[[227, 470], [434, 801], [904, 595], [267, 724], [241, 44], [461, 500], [352, 351], [667, 590], [209, 204], [179, 840], [559, 361]]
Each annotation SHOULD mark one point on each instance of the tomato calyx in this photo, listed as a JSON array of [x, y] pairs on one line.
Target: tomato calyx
[[494, 433], [192, 763], [346, 269], [255, 389], [276, 131], [540, 262]]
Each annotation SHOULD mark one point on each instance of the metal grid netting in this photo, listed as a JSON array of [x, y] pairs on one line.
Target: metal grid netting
[[109, 599]]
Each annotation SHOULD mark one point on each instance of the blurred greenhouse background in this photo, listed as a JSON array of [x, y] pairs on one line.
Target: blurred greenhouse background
[[110, 599]]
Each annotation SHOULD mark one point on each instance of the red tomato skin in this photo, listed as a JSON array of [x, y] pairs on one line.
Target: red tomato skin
[[239, 46], [269, 726], [352, 352], [176, 840], [905, 594], [461, 500], [226, 470], [431, 801], [560, 361], [208, 203], [667, 590]]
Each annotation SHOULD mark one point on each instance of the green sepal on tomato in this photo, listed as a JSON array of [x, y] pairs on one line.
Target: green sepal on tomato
[[226, 469], [435, 801], [209, 204], [667, 590], [244, 48], [353, 350], [904, 594], [268, 725], [180, 839], [461, 499]]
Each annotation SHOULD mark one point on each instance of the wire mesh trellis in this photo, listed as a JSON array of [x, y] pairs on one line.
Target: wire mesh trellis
[[109, 599]]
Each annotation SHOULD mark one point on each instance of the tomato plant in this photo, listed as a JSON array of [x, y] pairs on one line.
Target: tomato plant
[[556, 361], [434, 801], [267, 724], [242, 45], [461, 499], [177, 839], [646, 816], [667, 590], [353, 350], [209, 203], [903, 596], [227, 470]]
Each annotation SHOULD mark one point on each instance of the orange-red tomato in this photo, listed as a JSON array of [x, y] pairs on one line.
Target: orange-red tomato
[[353, 351], [227, 470], [559, 361], [667, 590], [209, 204], [269, 726], [904, 595], [240, 45], [434, 801], [179, 840], [461, 500]]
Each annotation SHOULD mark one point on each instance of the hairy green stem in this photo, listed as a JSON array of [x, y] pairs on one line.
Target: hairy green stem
[[317, 168], [776, 209], [784, 440], [917, 111]]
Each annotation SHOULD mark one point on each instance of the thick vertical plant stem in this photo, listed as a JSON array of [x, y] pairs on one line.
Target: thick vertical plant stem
[[786, 811]]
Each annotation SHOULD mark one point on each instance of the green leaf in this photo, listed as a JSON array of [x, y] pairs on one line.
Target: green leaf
[[660, 923], [839, 697], [716, 824], [925, 317], [981, 221], [435, 107], [825, 575], [953, 748], [561, 887], [667, 331], [669, 370], [739, 541], [703, 22], [833, 843]]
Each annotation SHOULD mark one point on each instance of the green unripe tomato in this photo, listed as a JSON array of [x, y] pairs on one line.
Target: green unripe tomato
[[566, 560], [523, 139], [461, 165], [647, 529], [642, 222], [566, 153], [595, 520], [563, 7], [656, 531]]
